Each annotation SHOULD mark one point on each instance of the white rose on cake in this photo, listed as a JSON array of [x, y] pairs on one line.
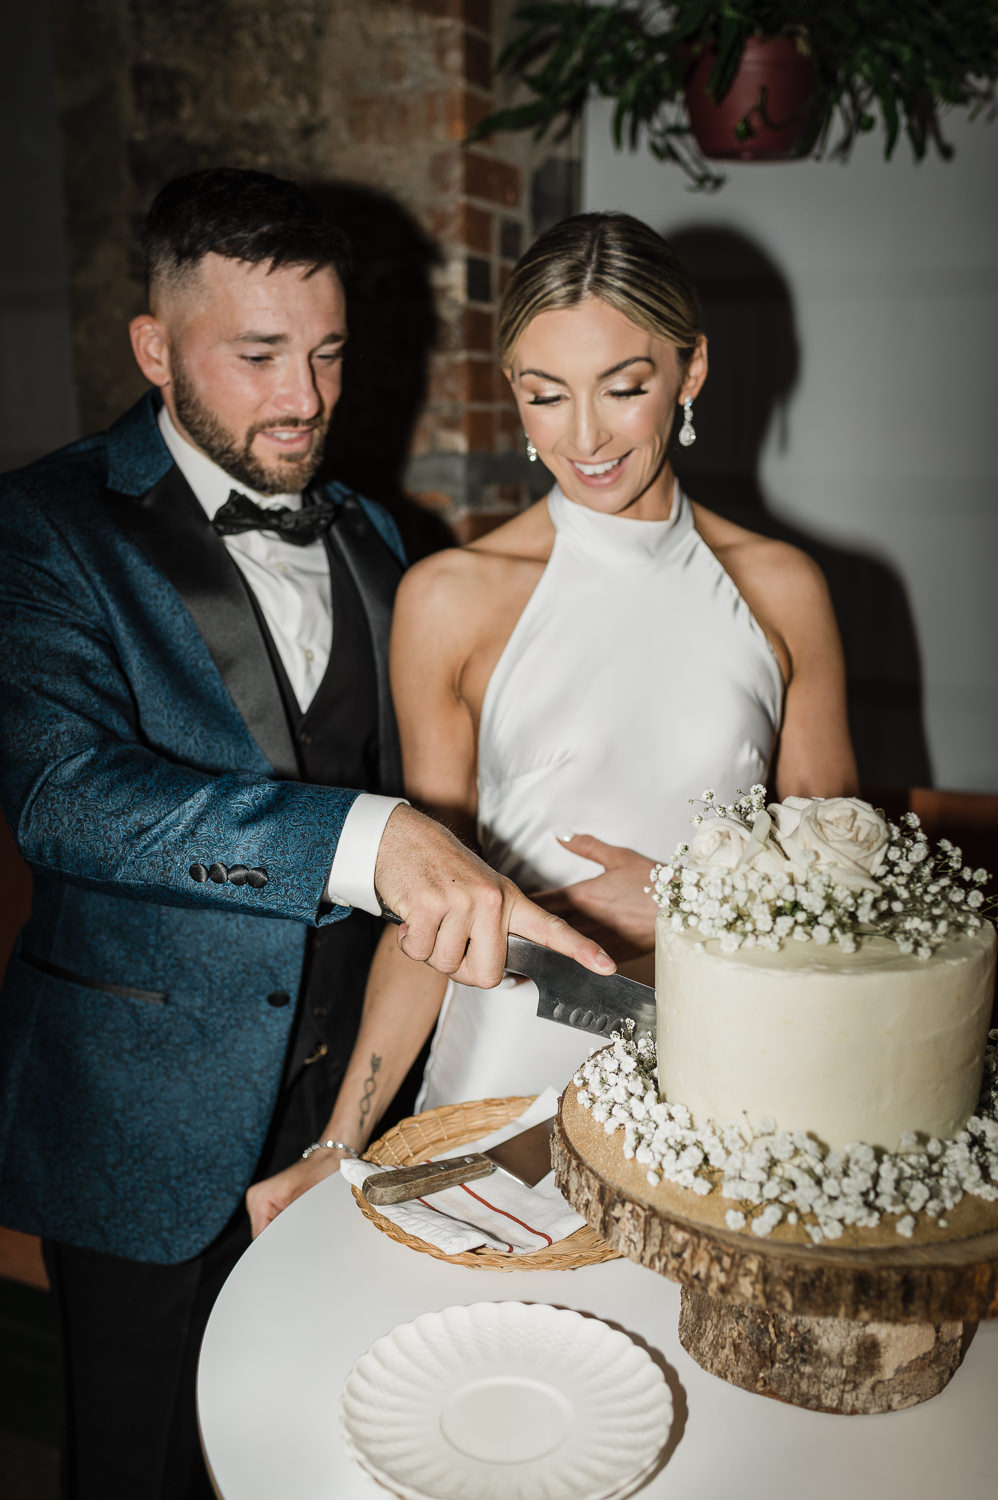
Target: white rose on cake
[[763, 853], [844, 838], [719, 844], [729, 844], [824, 870], [785, 815]]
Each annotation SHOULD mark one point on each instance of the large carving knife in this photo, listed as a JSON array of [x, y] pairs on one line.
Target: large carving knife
[[575, 996]]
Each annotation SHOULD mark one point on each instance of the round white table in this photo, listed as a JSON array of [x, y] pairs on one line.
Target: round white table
[[322, 1283]]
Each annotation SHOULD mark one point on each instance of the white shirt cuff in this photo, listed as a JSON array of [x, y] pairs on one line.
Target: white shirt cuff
[[351, 879]]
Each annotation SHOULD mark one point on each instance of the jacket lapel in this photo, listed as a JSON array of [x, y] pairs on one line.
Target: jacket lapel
[[376, 572], [171, 528]]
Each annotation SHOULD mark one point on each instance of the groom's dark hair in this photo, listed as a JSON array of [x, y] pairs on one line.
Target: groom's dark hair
[[242, 215]]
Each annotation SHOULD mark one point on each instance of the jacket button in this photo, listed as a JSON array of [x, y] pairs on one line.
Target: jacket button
[[198, 873], [304, 737], [237, 875], [256, 878], [218, 873], [278, 998]]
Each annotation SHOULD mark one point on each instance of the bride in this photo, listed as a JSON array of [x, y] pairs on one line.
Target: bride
[[593, 663]]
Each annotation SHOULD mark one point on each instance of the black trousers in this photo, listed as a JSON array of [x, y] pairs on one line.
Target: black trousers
[[131, 1333], [130, 1338]]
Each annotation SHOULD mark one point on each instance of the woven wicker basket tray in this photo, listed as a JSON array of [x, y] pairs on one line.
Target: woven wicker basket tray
[[449, 1128]]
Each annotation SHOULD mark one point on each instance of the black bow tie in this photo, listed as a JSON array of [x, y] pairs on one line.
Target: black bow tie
[[240, 513]]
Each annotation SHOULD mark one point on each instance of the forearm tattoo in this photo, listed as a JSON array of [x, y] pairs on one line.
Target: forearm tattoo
[[370, 1089]]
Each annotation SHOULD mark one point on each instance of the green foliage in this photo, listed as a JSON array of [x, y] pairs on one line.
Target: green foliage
[[899, 62]]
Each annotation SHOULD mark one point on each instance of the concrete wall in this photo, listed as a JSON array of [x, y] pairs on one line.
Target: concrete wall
[[853, 314]]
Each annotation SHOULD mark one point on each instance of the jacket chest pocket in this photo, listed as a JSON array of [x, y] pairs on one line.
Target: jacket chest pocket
[[122, 991]]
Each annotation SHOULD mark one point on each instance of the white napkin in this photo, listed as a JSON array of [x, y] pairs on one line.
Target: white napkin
[[496, 1211]]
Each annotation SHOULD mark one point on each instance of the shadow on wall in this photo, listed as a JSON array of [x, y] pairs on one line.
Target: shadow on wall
[[754, 367], [393, 329]]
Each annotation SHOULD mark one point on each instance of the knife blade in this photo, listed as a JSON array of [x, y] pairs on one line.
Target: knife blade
[[526, 1156], [575, 996]]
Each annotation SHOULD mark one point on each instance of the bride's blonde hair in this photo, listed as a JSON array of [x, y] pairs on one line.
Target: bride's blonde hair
[[613, 257]]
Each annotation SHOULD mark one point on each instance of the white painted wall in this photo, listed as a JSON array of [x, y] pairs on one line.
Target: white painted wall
[[885, 451]]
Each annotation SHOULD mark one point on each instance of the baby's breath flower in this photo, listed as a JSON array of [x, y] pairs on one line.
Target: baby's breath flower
[[918, 898], [780, 1176]]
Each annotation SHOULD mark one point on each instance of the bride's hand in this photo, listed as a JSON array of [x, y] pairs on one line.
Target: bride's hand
[[614, 908], [266, 1199]]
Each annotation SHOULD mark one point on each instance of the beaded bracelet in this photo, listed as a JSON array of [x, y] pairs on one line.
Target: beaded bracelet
[[330, 1146]]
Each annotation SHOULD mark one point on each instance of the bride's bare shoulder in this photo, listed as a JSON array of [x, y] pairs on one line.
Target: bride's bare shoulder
[[783, 587], [525, 537], [471, 578], [751, 558]]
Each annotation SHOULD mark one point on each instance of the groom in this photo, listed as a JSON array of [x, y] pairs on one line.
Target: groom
[[200, 765]]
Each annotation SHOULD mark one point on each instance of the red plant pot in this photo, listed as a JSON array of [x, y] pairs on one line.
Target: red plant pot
[[774, 92]]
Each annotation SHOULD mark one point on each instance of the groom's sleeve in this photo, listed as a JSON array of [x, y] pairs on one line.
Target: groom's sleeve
[[351, 879], [90, 800]]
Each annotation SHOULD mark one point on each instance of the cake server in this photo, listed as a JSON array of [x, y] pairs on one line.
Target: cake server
[[526, 1156], [575, 996]]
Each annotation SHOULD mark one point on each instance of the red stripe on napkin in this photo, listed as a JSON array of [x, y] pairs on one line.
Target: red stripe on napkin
[[506, 1215], [445, 1215]]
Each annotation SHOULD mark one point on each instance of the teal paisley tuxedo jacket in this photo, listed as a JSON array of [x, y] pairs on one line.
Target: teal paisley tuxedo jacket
[[143, 739]]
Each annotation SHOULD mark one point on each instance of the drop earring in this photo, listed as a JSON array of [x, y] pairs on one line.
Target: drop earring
[[687, 433], [531, 450]]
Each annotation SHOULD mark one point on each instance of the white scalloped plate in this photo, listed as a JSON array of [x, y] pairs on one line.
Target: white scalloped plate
[[506, 1401]]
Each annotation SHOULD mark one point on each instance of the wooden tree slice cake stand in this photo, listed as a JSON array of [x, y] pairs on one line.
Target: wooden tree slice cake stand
[[874, 1324]]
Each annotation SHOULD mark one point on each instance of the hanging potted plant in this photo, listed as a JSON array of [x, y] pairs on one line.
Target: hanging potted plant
[[753, 79], [770, 110]]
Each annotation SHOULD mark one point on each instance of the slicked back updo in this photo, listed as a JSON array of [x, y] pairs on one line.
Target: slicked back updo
[[610, 256]]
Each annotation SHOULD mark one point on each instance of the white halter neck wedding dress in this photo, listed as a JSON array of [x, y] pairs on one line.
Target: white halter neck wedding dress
[[635, 677]]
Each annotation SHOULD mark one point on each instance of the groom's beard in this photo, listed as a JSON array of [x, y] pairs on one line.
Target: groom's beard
[[283, 476]]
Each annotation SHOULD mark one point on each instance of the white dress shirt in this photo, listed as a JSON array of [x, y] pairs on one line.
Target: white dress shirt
[[291, 587]]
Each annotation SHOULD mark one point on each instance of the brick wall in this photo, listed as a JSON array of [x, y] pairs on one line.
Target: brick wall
[[368, 104]]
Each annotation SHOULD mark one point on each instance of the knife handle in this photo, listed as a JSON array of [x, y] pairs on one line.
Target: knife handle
[[426, 1177]]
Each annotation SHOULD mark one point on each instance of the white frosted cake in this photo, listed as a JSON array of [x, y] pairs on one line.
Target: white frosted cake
[[849, 1046], [822, 1067], [822, 969]]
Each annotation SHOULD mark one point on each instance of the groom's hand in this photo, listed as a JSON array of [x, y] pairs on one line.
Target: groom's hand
[[456, 912]]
